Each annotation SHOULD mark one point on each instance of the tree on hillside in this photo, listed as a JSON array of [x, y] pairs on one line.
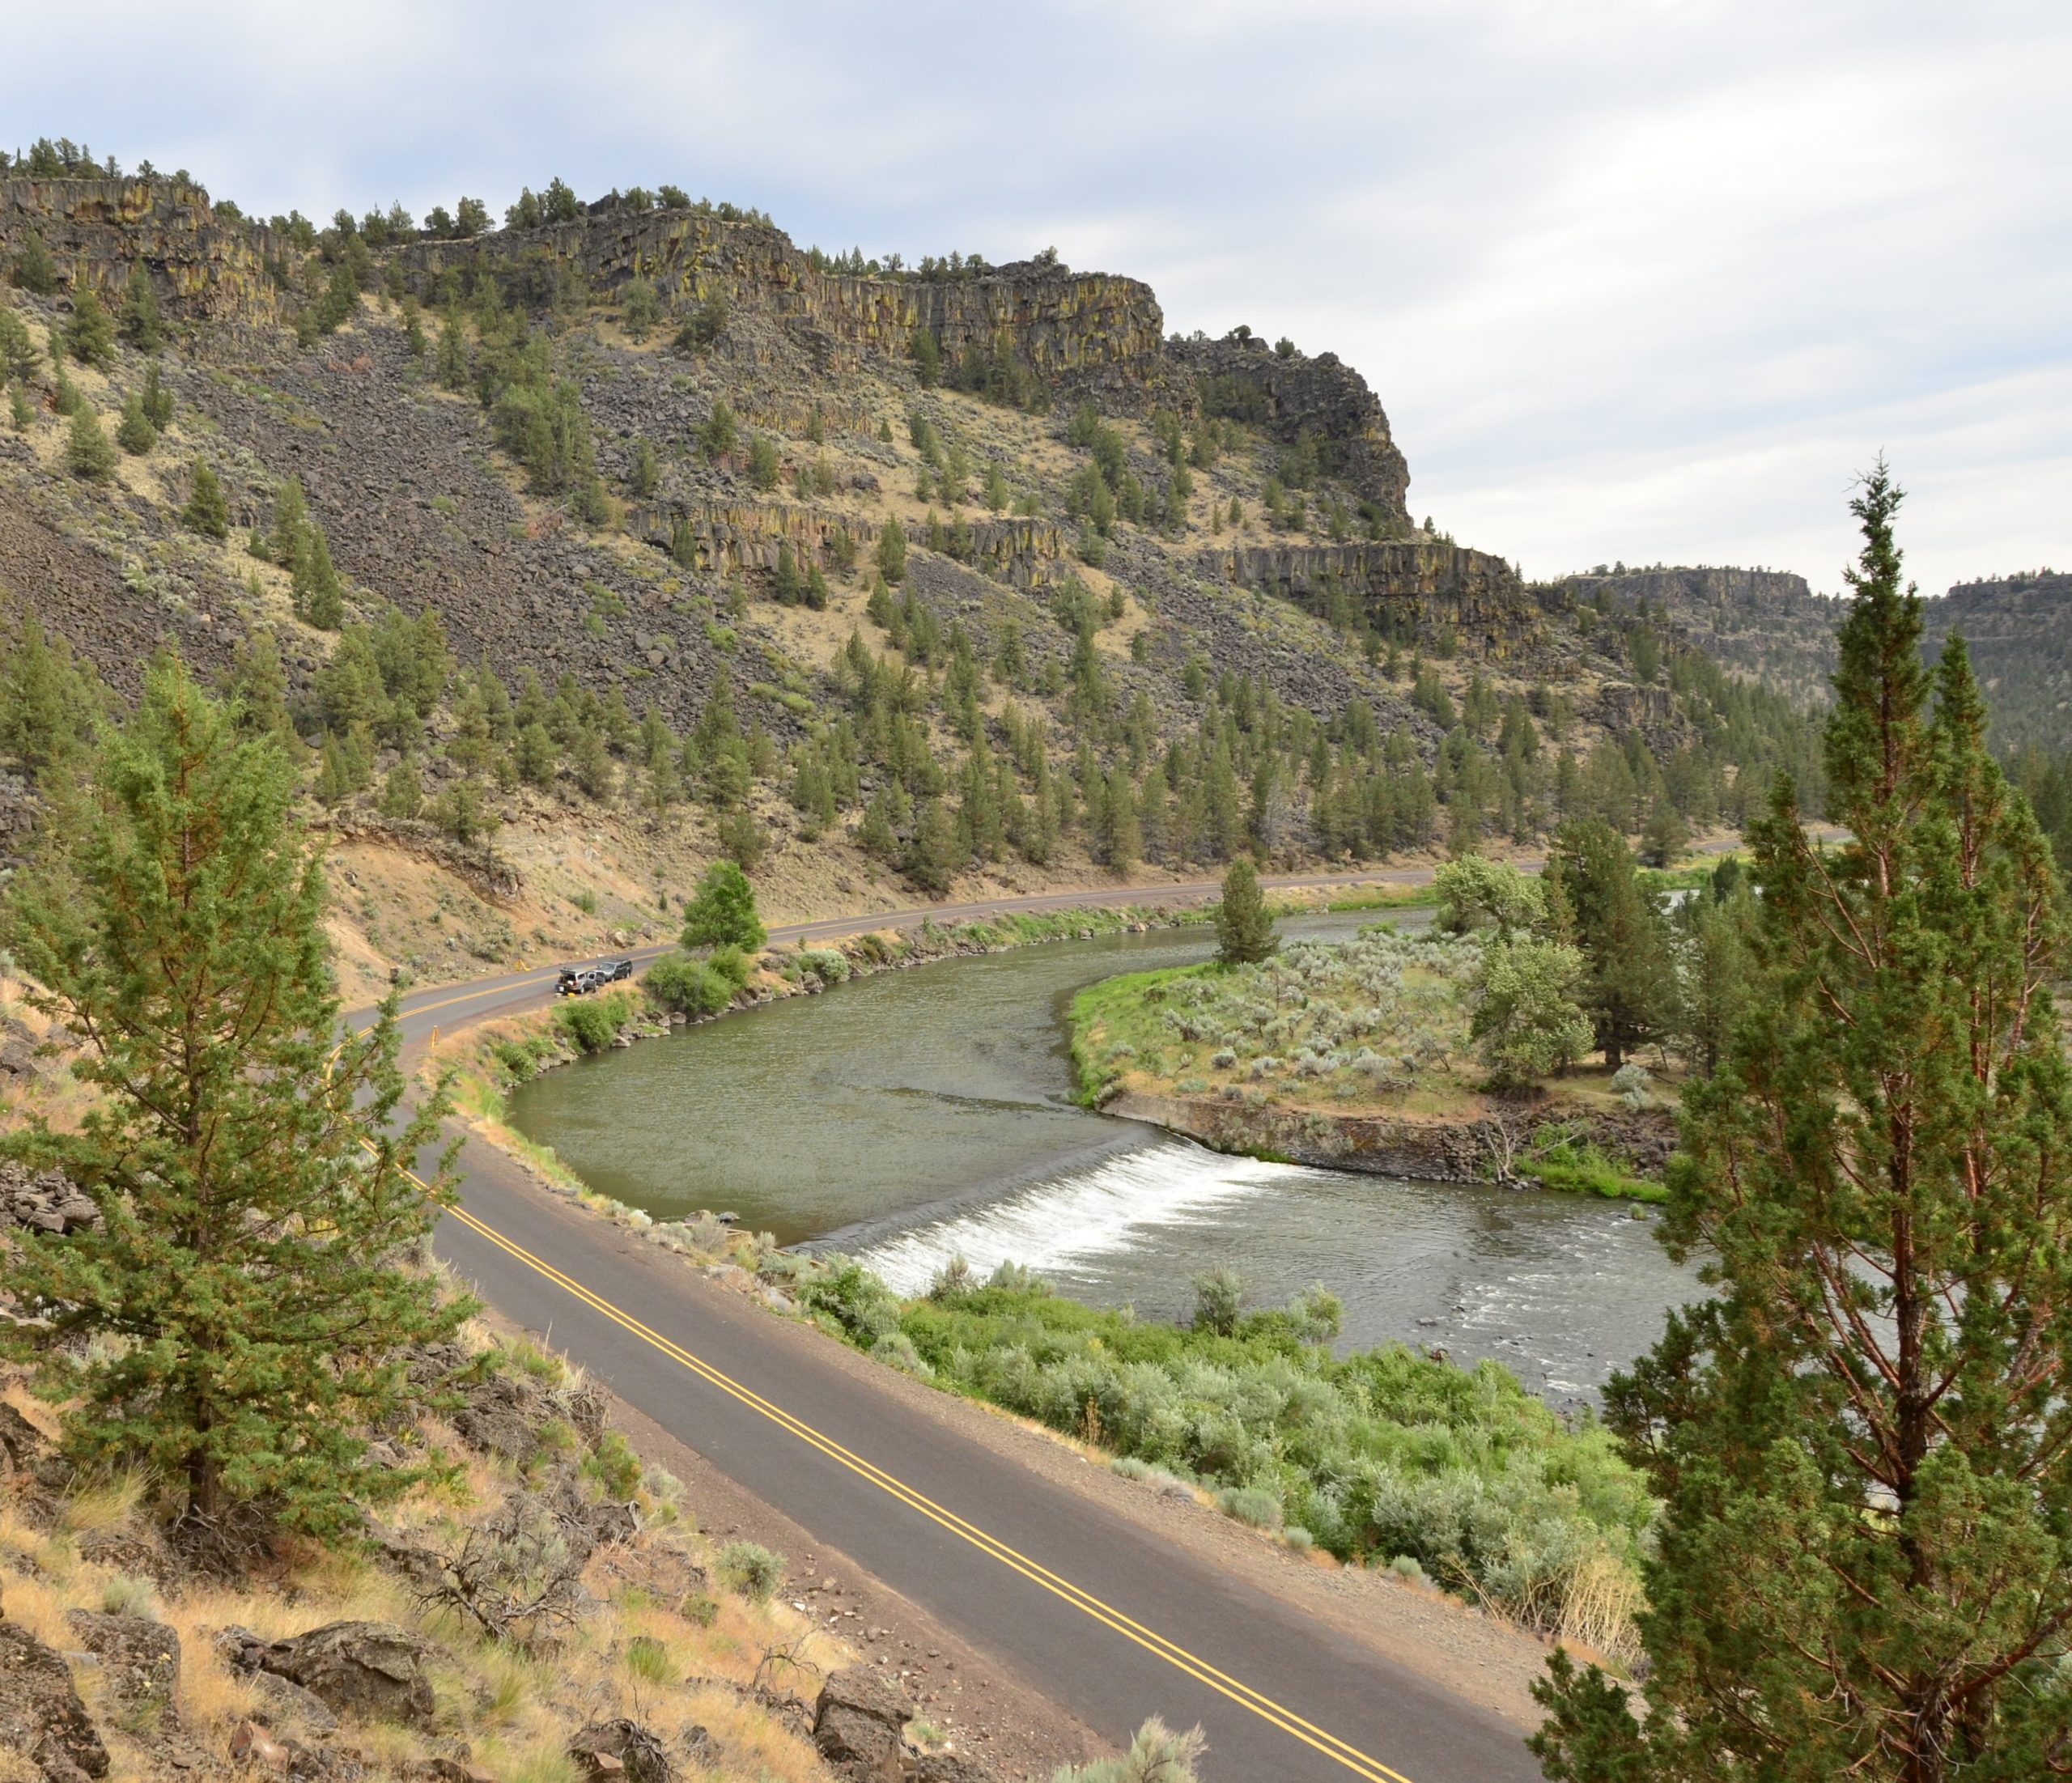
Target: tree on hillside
[[1244, 931], [254, 1196], [892, 551], [723, 912], [87, 452], [90, 335], [142, 326], [1629, 991], [206, 512], [1864, 1443], [34, 268]]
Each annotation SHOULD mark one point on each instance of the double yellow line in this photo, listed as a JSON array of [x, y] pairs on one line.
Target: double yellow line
[[1353, 1760]]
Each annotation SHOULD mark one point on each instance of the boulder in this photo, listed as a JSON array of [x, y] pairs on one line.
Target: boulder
[[40, 1714], [139, 1657], [622, 1747], [282, 1704], [950, 1768], [371, 1670], [859, 1722]]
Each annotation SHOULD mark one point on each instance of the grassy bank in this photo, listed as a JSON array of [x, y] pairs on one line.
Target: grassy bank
[[1376, 1028], [1385, 1457]]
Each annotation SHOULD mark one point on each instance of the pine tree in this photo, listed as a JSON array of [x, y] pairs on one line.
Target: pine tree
[[20, 413], [87, 452], [1244, 931], [926, 352], [1864, 1441], [141, 325], [452, 366], [722, 913], [135, 432], [642, 307], [34, 268], [253, 1195], [206, 512], [90, 335]]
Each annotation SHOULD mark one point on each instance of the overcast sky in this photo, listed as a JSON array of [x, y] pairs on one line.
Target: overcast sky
[[1638, 279]]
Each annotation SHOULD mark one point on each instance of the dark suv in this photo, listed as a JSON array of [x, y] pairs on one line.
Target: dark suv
[[579, 981]]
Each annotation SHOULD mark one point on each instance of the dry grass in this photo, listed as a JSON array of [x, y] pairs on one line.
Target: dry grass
[[639, 1653]]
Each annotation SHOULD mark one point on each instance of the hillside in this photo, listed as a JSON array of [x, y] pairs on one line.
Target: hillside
[[879, 580]]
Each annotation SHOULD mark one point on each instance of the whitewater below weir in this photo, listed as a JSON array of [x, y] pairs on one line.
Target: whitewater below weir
[[916, 1116]]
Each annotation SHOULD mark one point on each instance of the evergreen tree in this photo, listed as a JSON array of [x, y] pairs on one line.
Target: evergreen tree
[[158, 400], [722, 913], [642, 307], [253, 1193], [34, 268], [718, 436], [1864, 1441], [1244, 931], [1630, 991], [926, 352], [290, 523], [18, 353], [452, 366], [87, 451], [135, 432], [319, 597], [141, 325], [20, 413], [90, 335], [892, 551], [206, 512], [402, 793], [647, 469]]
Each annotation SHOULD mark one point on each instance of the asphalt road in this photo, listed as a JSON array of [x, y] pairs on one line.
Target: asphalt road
[[446, 1007], [1107, 1619]]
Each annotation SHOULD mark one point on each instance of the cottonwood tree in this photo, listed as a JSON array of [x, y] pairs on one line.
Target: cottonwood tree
[[242, 1146], [723, 913], [1864, 1443]]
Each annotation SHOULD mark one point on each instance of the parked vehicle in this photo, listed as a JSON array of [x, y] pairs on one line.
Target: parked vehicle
[[580, 981]]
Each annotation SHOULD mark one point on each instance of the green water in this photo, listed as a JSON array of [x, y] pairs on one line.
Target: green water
[[918, 1114]]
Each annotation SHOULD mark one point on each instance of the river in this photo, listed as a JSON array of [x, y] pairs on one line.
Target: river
[[915, 1115]]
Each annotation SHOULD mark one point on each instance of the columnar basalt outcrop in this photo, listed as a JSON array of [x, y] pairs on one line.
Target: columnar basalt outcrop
[[1296, 397], [1073, 329], [716, 537], [1426, 584], [203, 266]]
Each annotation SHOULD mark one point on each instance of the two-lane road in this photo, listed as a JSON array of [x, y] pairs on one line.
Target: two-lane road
[[1106, 1617]]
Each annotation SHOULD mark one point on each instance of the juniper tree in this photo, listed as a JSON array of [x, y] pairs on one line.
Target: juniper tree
[[1244, 931], [319, 596], [206, 512], [1864, 1442], [17, 354], [90, 335], [142, 326], [34, 268], [253, 1192], [158, 400], [1629, 990], [87, 452], [135, 432]]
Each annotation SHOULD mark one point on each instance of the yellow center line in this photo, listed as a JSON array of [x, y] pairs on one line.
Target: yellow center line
[[1353, 1760]]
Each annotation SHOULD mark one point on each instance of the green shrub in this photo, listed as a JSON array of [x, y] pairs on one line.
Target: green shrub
[[613, 1464], [594, 1023], [733, 964], [750, 1571], [687, 987]]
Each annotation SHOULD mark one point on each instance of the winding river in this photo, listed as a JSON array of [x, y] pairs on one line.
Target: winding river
[[915, 1115]]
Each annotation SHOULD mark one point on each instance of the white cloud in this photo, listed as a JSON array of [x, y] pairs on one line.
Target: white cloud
[[1637, 278]]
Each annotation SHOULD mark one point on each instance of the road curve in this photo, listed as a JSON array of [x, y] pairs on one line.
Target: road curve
[[1104, 1617], [446, 1007]]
